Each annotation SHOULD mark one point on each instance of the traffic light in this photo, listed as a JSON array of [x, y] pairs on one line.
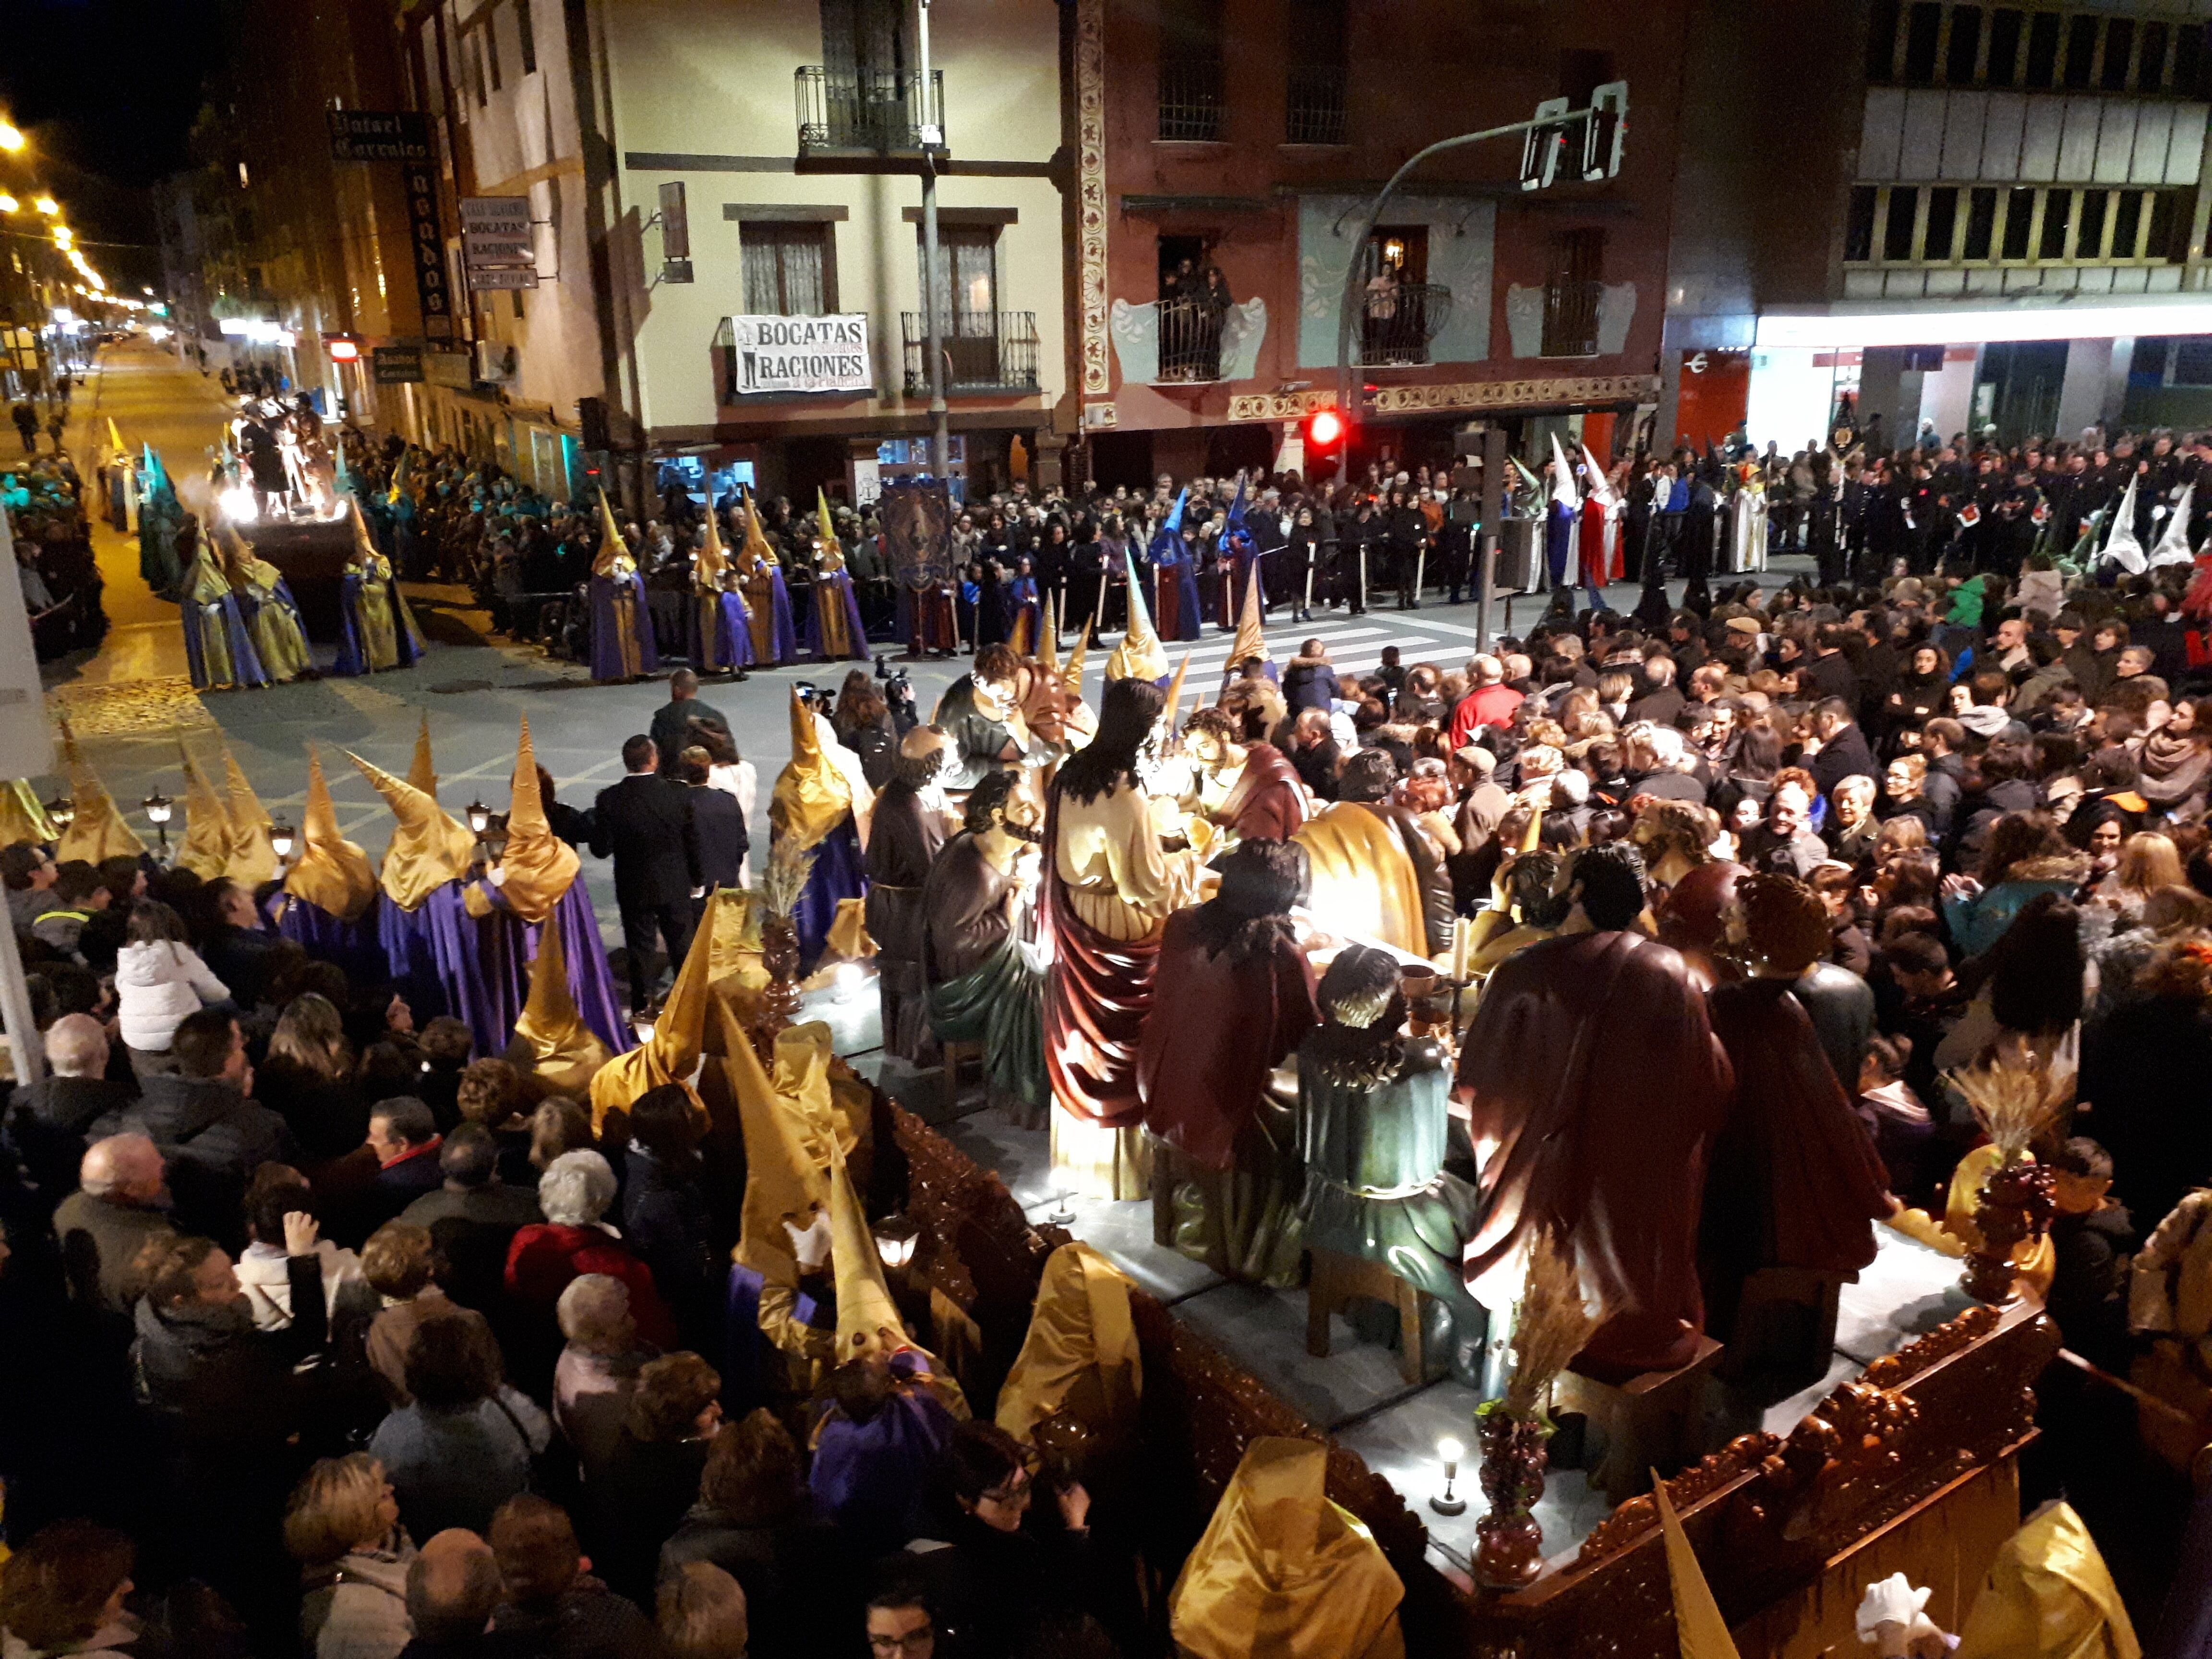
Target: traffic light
[[1540, 148], [1323, 432], [1605, 135]]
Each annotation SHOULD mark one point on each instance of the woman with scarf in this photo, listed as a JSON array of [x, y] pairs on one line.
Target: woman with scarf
[[2174, 759]]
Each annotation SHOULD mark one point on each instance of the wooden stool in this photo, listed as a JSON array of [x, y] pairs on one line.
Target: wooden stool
[[954, 1054], [1647, 1421], [1785, 1325], [1337, 1280]]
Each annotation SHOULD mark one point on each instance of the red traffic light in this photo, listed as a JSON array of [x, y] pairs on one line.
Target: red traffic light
[[1324, 429]]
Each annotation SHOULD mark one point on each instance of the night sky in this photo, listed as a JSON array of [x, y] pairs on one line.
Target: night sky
[[106, 90]]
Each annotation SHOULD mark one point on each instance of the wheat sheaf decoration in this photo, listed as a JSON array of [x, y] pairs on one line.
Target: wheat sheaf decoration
[[1554, 1325], [2016, 1097], [783, 879]]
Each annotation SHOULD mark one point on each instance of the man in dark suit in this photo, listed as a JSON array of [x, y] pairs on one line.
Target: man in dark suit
[[672, 721], [644, 825], [720, 822]]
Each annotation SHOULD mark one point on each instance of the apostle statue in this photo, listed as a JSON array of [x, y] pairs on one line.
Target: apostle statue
[[910, 826], [377, 629], [1110, 884], [768, 600], [1794, 1180], [622, 646], [1232, 997], [1375, 873], [721, 634], [834, 627], [280, 637], [1247, 789], [1051, 697], [1374, 1117], [218, 646], [986, 983], [1594, 1086], [981, 714]]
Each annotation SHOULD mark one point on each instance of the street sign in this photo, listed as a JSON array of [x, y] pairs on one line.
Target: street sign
[[369, 135], [419, 179], [451, 368], [398, 365], [485, 278], [495, 231]]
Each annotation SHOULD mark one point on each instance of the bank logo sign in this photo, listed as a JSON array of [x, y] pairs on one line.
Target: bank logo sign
[[800, 354]]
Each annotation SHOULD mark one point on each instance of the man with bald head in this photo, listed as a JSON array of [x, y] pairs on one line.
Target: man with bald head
[[453, 1585], [910, 826], [670, 730], [122, 1199], [48, 1120]]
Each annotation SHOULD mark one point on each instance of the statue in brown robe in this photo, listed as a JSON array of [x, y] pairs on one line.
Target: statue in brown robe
[[909, 826], [1593, 1086], [985, 982], [1794, 1180], [1265, 801], [1232, 996]]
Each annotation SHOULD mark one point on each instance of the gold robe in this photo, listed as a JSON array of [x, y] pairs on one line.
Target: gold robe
[[760, 609], [275, 630], [205, 589]]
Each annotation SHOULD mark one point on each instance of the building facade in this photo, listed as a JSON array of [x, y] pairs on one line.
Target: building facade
[[1965, 216], [1227, 150]]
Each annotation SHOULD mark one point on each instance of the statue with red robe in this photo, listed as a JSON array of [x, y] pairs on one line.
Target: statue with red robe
[[1232, 996], [1594, 1086], [1251, 790], [1794, 1180]]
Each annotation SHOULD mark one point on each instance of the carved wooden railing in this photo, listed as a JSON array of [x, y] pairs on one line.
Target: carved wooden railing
[[1764, 1511]]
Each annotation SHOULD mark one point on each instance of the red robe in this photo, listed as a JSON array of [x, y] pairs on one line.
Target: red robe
[[1218, 1027], [1267, 802], [1794, 1180], [1592, 1067]]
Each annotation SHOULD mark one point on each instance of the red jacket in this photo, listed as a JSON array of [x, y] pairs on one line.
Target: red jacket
[[546, 1256], [1493, 705]]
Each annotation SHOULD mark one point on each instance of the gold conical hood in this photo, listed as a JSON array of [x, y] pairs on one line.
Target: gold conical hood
[[1704, 1634], [537, 866], [671, 1053], [252, 859], [1047, 647], [868, 1322], [332, 874], [564, 1051], [788, 1118], [427, 849], [206, 849], [825, 527], [364, 545], [1251, 638], [811, 796], [1138, 656], [712, 558], [423, 770], [1071, 677], [756, 541], [1174, 693], [22, 816], [98, 830], [611, 543]]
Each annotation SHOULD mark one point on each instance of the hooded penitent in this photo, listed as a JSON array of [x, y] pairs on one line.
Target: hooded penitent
[[98, 830], [251, 858], [332, 874], [537, 866], [563, 1050], [1138, 656], [427, 849], [812, 795], [206, 848]]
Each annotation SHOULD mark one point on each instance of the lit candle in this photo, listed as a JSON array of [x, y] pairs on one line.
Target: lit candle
[[1448, 1502], [1462, 947]]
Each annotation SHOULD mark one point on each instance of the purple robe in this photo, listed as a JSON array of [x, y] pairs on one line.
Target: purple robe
[[436, 956], [244, 661], [721, 638], [355, 946], [836, 588], [511, 945], [838, 874], [869, 1475], [607, 663]]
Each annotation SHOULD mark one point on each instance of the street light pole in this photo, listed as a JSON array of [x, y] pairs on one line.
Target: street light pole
[[933, 141]]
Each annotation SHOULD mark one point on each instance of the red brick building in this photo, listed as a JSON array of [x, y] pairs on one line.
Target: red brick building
[[1246, 136]]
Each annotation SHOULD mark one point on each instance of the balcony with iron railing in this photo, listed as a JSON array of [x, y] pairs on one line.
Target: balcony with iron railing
[[1398, 321], [1190, 100], [881, 114], [1315, 113], [984, 351], [1570, 318]]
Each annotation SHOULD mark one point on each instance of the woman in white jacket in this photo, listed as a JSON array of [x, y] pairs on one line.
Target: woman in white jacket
[[158, 979]]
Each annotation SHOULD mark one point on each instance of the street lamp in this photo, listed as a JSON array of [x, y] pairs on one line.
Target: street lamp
[[282, 838], [7, 204], [11, 137], [47, 205], [479, 818], [61, 811], [159, 808]]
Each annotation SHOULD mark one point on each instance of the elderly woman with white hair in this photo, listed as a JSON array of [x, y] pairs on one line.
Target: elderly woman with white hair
[[576, 1192], [597, 1372]]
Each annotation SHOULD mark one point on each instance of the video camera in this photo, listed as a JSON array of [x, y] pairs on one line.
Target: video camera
[[898, 695]]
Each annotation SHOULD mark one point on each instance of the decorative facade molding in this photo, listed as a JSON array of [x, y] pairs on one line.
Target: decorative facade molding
[[1098, 415], [1091, 192], [1279, 405], [1507, 394]]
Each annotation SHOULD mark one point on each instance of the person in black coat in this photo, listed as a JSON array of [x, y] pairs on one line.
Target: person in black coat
[[47, 1121], [641, 1494], [672, 721], [1843, 751], [645, 823], [665, 1218], [720, 822]]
